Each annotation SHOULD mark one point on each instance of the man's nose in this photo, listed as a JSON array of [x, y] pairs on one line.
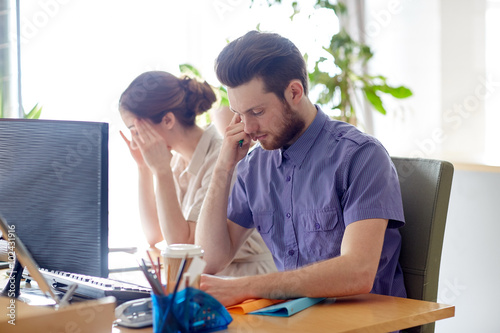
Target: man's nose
[[251, 125]]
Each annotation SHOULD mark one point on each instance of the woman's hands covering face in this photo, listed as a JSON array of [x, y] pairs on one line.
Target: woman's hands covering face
[[153, 147]]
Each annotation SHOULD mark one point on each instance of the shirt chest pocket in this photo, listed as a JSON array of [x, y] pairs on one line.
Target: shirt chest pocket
[[320, 234], [263, 221], [264, 224], [320, 220]]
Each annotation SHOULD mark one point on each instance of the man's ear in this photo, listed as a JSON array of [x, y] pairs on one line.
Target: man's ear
[[295, 92], [168, 120]]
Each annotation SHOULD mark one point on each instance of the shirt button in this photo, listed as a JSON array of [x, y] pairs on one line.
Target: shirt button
[[291, 252], [288, 215], [288, 178], [317, 225], [258, 228]]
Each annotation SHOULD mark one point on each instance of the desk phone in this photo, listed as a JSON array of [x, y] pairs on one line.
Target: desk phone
[[135, 313]]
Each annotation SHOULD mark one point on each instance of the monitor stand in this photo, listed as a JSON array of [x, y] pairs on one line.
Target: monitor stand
[[13, 287], [32, 296]]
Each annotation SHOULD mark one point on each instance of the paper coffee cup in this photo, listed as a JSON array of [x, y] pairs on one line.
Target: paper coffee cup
[[172, 260]]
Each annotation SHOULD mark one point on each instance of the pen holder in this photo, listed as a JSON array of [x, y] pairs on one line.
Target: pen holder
[[192, 310]]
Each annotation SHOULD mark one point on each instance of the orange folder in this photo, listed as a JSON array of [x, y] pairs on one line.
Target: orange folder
[[252, 304]]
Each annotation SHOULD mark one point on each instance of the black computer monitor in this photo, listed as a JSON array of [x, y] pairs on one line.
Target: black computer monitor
[[54, 189]]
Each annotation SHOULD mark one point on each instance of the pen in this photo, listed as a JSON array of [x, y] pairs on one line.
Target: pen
[[172, 321], [240, 143], [155, 286], [179, 276], [157, 270]]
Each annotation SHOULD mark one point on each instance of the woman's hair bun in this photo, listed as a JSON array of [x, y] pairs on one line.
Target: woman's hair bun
[[200, 96]]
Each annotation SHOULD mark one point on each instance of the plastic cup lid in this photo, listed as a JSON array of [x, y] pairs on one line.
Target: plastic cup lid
[[180, 251]]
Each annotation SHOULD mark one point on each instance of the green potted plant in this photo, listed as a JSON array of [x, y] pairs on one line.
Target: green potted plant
[[340, 91]]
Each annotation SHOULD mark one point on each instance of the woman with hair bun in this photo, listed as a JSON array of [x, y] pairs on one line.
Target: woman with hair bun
[[175, 159]]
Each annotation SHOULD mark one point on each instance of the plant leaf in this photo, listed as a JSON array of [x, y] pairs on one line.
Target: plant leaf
[[224, 100], [365, 53], [374, 100], [189, 69], [397, 92], [34, 113], [296, 10]]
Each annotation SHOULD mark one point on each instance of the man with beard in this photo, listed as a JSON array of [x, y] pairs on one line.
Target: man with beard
[[324, 196]]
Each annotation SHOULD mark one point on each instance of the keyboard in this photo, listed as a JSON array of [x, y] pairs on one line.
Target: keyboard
[[91, 287]]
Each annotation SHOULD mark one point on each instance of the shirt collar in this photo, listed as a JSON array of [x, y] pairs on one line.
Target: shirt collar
[[201, 149], [297, 152]]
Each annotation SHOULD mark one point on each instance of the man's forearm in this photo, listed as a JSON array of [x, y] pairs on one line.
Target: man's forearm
[[330, 278], [211, 230]]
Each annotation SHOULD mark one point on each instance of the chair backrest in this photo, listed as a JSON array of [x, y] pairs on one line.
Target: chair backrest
[[425, 189]]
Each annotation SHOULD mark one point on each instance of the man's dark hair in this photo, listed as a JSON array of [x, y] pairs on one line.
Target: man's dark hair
[[268, 56]]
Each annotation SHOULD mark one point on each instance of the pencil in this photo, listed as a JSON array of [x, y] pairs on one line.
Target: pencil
[[157, 289], [168, 278], [157, 270], [178, 280], [240, 143]]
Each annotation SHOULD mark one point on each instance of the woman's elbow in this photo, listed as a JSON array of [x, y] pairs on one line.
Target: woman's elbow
[[214, 265], [153, 240], [213, 269]]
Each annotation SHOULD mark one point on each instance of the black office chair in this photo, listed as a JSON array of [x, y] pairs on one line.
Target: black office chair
[[425, 188]]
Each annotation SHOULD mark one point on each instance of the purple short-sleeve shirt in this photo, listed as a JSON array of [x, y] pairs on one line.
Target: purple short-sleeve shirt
[[301, 199]]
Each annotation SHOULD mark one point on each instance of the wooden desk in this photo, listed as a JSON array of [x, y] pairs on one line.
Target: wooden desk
[[363, 313]]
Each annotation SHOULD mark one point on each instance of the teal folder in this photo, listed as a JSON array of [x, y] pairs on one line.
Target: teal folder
[[288, 308]]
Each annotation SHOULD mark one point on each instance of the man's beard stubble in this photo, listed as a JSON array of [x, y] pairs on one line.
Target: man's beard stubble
[[291, 126]]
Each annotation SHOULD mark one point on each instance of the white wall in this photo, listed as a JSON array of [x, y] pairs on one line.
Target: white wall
[[463, 73], [406, 42], [470, 260], [438, 49]]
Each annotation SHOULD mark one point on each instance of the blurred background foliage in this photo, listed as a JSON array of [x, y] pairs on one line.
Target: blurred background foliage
[[34, 113], [344, 89]]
